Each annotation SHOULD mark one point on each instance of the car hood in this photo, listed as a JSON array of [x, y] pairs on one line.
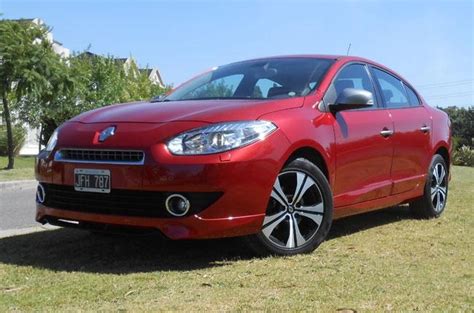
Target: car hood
[[210, 111]]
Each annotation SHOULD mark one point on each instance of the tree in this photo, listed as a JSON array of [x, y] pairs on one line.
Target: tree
[[28, 67], [44, 90], [138, 86], [89, 82], [462, 125], [214, 89]]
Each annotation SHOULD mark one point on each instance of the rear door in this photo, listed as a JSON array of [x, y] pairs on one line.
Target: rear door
[[411, 138], [363, 143]]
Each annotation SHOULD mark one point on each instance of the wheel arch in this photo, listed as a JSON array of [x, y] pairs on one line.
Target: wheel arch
[[313, 155], [444, 152]]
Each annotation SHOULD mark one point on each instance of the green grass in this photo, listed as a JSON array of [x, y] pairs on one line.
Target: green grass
[[379, 261], [23, 169]]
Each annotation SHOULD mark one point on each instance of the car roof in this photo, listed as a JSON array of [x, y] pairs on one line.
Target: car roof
[[335, 57], [315, 56]]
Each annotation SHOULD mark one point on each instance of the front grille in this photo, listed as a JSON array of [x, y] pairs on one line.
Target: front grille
[[100, 156], [122, 202]]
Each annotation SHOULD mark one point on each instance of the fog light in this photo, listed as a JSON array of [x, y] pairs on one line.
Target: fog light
[[177, 205], [40, 194]]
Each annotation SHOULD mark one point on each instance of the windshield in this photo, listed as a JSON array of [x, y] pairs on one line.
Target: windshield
[[276, 78]]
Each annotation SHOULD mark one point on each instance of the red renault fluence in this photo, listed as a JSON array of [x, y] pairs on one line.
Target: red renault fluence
[[272, 149]]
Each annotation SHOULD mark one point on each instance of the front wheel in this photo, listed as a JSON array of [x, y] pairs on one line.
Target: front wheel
[[299, 212], [435, 195]]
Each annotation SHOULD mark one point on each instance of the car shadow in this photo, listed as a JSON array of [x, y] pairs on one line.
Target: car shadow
[[77, 250]]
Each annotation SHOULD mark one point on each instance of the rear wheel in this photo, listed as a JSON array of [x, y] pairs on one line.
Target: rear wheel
[[434, 199], [299, 212]]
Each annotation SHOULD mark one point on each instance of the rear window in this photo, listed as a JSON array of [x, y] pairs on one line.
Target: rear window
[[412, 97], [392, 89]]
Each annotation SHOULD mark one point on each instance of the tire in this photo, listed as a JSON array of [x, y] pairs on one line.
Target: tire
[[435, 196], [299, 212]]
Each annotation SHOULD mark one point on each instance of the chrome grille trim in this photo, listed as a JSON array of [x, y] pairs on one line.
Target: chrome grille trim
[[100, 156]]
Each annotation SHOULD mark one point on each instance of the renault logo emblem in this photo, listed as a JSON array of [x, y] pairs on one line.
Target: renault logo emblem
[[106, 133]]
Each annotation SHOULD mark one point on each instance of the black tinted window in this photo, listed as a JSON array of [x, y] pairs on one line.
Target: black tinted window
[[393, 91], [351, 76], [412, 98]]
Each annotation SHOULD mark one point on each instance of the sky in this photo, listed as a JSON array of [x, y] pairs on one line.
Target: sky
[[430, 43]]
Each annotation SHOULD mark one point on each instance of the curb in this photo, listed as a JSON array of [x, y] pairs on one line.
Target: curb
[[17, 184], [25, 231]]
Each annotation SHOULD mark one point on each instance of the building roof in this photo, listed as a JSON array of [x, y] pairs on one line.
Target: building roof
[[146, 71], [120, 60], [88, 54]]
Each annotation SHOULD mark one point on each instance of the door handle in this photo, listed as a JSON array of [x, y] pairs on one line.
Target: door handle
[[425, 128], [386, 132]]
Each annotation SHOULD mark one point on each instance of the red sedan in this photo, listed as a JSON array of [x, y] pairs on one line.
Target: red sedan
[[272, 149]]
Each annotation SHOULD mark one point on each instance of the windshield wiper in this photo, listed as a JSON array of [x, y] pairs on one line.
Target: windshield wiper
[[159, 100]]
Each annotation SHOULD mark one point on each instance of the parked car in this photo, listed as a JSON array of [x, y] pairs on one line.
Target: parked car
[[272, 149]]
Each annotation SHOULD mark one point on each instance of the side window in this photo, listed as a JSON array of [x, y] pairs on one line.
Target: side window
[[412, 98], [351, 76], [392, 89], [264, 87]]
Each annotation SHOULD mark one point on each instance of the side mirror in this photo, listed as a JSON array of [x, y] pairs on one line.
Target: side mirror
[[351, 98]]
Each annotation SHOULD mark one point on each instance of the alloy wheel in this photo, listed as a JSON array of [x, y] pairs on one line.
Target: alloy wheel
[[295, 210], [438, 187]]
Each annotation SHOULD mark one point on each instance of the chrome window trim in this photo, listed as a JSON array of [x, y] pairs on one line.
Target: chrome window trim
[[57, 157]]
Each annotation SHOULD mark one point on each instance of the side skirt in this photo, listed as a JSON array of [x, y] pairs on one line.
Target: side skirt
[[377, 204]]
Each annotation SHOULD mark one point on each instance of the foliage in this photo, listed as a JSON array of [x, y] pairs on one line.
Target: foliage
[[462, 128], [215, 89], [28, 68], [28, 63], [19, 134], [462, 125], [96, 81], [44, 90], [463, 156]]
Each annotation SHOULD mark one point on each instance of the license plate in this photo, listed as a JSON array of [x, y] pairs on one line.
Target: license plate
[[92, 180]]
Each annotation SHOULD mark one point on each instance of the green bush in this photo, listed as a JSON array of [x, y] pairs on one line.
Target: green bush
[[464, 156], [19, 134]]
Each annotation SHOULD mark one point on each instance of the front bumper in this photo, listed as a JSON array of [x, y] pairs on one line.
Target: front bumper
[[192, 227], [243, 176]]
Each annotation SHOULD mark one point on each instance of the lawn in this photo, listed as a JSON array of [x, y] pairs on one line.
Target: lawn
[[23, 169], [379, 261]]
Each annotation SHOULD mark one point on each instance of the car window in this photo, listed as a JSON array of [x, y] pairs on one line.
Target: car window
[[351, 76], [392, 89], [412, 97], [263, 86], [273, 78], [219, 88]]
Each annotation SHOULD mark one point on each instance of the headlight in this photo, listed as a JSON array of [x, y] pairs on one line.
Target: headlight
[[52, 141], [220, 137]]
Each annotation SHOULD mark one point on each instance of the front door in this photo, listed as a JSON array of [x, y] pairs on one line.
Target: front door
[[364, 145]]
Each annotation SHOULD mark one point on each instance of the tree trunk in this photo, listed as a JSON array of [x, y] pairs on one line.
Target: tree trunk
[[8, 121], [40, 138]]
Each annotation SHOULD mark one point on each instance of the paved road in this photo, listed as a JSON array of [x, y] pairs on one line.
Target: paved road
[[17, 207]]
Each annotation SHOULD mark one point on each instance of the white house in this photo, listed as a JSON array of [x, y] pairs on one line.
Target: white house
[[153, 73], [154, 76]]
